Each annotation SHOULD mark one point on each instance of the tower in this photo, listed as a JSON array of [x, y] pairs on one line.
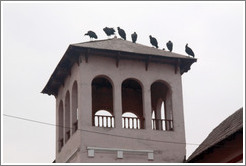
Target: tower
[[118, 101]]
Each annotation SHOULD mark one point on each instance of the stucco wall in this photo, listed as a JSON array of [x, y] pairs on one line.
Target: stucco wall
[[170, 146]]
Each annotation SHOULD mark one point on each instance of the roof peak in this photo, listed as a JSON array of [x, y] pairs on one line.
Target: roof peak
[[118, 44]]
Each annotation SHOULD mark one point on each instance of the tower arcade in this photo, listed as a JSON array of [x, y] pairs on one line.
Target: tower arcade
[[118, 101]]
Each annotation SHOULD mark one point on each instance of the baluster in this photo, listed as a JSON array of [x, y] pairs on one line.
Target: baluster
[[131, 123], [125, 122], [109, 121], [139, 126], [167, 125], [100, 121], [96, 121], [162, 124], [103, 119], [112, 121], [154, 122]]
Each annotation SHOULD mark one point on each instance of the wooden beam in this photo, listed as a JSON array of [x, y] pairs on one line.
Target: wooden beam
[[117, 59], [87, 55], [177, 66], [147, 62], [80, 59], [62, 72]]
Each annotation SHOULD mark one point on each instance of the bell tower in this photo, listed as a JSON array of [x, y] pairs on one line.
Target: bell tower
[[118, 101]]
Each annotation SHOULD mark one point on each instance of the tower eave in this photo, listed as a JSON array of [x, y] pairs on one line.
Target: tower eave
[[115, 48]]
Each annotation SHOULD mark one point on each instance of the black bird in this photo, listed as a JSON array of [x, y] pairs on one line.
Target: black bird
[[134, 37], [91, 34], [189, 51], [170, 46], [153, 41], [121, 33], [109, 31]]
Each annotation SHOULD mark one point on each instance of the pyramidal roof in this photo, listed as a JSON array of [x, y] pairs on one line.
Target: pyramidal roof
[[116, 48], [118, 44]]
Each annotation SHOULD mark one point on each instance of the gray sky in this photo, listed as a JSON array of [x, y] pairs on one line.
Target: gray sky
[[36, 35]]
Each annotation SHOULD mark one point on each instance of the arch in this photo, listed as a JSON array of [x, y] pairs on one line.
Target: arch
[[75, 106], [161, 101], [60, 125], [103, 118], [132, 101], [104, 77], [102, 96], [67, 116]]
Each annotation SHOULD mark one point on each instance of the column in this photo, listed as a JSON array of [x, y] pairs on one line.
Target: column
[[85, 104], [147, 106], [117, 104]]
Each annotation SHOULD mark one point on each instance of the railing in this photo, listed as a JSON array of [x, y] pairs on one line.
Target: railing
[[162, 124], [104, 121], [132, 123]]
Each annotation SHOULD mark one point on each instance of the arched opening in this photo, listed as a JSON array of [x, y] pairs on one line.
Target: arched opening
[[67, 116], [130, 120], [75, 107], [132, 102], [61, 126], [162, 118], [102, 99], [103, 118]]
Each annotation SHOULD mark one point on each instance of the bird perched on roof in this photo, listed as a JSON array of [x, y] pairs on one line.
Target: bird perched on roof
[[109, 31], [121, 33], [91, 34], [189, 51], [153, 41], [134, 37], [170, 46]]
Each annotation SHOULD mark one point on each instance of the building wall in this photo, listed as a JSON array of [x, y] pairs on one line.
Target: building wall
[[171, 145]]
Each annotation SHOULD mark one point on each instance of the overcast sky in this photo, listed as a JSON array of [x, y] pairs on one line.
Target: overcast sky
[[35, 36]]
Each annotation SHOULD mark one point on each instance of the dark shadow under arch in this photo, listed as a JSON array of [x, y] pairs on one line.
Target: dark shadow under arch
[[102, 96], [132, 101]]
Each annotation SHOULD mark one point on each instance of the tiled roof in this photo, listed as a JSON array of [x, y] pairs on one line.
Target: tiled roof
[[228, 127], [115, 48]]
